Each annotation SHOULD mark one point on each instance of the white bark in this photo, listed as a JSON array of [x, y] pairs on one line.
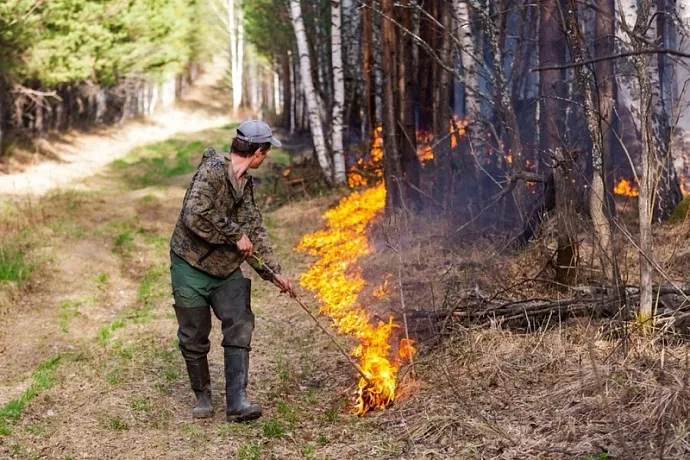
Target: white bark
[[235, 29], [631, 25], [277, 92], [338, 94], [467, 56], [309, 92]]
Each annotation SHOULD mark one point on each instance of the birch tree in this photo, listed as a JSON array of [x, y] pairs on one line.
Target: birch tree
[[231, 18], [467, 57], [339, 176], [309, 91]]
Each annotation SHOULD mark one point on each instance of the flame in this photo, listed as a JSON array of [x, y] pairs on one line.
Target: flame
[[407, 349], [626, 188], [336, 280], [382, 290], [424, 150], [355, 178]]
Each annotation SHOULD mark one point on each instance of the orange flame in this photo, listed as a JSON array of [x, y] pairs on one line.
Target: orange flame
[[626, 188], [336, 280], [382, 290], [355, 177]]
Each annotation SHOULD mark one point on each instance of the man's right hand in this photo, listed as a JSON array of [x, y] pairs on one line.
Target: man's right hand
[[245, 246]]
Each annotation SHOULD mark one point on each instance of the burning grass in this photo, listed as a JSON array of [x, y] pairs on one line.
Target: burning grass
[[337, 282], [558, 389]]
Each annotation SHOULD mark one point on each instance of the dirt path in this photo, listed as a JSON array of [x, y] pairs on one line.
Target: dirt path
[[81, 155], [88, 354]]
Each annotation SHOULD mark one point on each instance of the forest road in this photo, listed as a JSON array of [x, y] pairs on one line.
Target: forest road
[[82, 155]]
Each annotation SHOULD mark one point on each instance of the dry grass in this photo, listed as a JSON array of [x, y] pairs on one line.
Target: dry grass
[[563, 390]]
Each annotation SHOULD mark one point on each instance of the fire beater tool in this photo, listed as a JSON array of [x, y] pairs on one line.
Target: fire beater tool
[[296, 298]]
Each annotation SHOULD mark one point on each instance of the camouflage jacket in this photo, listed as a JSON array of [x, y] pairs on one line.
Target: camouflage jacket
[[214, 217]]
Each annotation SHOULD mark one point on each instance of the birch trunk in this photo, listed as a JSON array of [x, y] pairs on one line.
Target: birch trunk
[[339, 94], [309, 92], [467, 57], [235, 28], [633, 22]]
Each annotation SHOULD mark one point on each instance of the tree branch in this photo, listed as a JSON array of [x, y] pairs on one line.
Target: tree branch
[[615, 56]]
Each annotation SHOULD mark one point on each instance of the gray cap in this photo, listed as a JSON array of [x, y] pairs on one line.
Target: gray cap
[[256, 132]]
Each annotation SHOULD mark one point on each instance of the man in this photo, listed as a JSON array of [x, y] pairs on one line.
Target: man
[[219, 227]]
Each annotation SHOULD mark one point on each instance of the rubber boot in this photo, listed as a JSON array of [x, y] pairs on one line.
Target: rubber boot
[[201, 385], [239, 409], [194, 328]]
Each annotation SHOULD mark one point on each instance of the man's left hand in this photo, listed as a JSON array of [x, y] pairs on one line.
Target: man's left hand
[[284, 284]]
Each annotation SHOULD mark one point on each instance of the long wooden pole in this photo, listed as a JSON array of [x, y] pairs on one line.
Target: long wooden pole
[[325, 331]]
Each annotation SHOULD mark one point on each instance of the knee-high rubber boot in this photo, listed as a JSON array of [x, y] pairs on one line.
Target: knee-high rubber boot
[[232, 305], [238, 409], [194, 328]]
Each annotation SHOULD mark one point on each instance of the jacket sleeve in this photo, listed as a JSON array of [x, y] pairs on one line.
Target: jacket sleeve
[[253, 226], [199, 213]]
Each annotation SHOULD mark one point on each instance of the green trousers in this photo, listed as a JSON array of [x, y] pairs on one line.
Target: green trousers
[[192, 287]]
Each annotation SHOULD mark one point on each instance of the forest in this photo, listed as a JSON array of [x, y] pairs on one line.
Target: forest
[[486, 201]]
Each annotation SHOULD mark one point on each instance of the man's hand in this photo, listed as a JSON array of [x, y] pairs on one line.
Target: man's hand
[[245, 246], [284, 284]]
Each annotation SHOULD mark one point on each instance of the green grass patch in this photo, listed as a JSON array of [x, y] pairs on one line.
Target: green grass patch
[[106, 332], [279, 156], [273, 429], [43, 379], [115, 377], [152, 286], [322, 440], [190, 430], [116, 424], [287, 413], [154, 164], [249, 452], [69, 309], [13, 266], [332, 415], [141, 404], [101, 280], [681, 211]]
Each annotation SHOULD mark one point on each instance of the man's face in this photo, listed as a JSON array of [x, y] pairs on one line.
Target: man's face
[[259, 157]]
